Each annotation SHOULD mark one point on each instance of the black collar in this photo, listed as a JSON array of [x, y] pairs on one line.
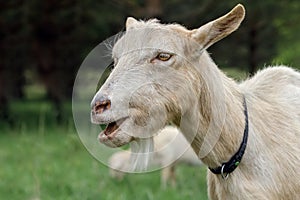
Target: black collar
[[226, 168]]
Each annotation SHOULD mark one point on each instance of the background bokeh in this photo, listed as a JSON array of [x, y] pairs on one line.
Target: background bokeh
[[42, 45]]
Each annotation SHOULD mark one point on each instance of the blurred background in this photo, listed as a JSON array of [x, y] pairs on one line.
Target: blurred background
[[42, 45]]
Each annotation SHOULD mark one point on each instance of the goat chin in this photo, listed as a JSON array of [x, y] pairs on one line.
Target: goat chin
[[141, 151]]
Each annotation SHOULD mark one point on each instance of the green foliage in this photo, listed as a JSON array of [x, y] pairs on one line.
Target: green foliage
[[289, 43]]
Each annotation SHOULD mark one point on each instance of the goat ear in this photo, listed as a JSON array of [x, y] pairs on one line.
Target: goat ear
[[216, 30], [130, 23]]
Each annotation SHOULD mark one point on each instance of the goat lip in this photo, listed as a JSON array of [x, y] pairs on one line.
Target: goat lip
[[112, 128]]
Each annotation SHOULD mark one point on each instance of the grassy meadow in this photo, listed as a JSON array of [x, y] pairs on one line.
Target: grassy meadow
[[41, 160], [55, 165]]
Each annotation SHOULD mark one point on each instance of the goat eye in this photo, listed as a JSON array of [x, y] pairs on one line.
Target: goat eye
[[163, 56]]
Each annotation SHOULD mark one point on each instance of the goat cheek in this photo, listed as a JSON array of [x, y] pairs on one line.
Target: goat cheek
[[141, 118]]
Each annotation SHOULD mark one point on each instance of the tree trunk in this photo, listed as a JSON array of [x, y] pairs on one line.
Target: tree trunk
[[253, 47]]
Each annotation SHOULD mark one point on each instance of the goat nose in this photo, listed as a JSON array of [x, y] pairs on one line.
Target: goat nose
[[101, 105]]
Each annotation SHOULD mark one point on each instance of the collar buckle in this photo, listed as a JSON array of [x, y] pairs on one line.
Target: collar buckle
[[224, 175]]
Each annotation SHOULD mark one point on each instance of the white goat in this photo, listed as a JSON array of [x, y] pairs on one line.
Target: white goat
[[171, 148], [163, 74]]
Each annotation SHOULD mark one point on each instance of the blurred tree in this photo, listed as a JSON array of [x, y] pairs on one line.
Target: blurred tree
[[55, 47], [288, 26], [13, 53], [261, 33], [62, 33]]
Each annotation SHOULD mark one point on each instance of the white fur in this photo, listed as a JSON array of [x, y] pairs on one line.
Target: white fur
[[191, 92], [140, 157], [171, 149]]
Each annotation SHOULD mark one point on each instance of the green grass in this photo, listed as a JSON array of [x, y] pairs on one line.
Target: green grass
[[40, 160], [56, 166]]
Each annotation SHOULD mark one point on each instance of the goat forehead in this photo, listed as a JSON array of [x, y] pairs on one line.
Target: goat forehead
[[147, 39]]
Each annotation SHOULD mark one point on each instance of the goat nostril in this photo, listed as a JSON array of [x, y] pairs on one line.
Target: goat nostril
[[101, 106]]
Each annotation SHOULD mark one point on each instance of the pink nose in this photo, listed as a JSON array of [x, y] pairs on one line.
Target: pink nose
[[101, 105]]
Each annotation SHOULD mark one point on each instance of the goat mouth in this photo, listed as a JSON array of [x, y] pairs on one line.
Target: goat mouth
[[112, 128]]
